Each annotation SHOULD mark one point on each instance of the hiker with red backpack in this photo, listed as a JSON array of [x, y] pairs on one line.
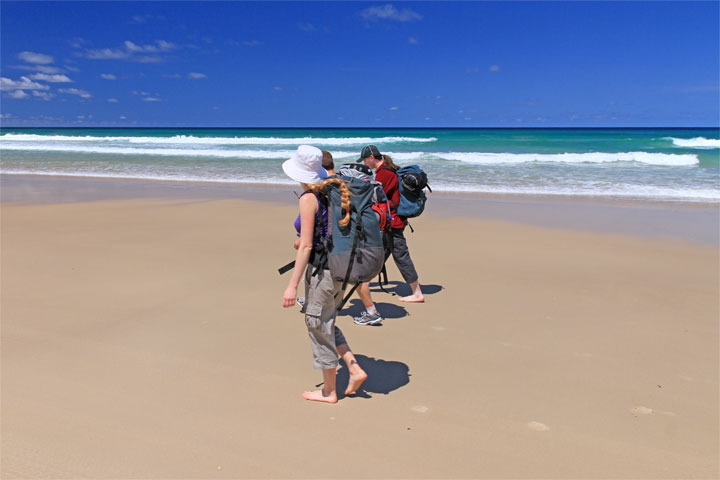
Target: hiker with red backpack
[[325, 210], [394, 239]]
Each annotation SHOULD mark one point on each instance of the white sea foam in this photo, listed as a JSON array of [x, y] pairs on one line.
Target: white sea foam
[[702, 195], [193, 140], [482, 158], [697, 142], [667, 159], [173, 152]]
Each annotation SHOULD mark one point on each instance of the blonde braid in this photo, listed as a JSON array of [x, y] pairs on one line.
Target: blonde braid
[[344, 196]]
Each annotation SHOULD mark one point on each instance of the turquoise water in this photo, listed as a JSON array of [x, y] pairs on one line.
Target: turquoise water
[[663, 164]]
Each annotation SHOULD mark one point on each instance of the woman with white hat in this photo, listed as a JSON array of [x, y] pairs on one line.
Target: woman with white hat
[[321, 290]]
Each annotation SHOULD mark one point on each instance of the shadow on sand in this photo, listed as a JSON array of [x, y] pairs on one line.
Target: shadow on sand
[[388, 310], [383, 376], [402, 289]]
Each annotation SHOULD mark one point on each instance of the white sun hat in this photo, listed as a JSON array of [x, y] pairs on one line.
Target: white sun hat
[[305, 166]]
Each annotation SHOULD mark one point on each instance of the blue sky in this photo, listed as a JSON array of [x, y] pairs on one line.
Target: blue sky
[[365, 64]]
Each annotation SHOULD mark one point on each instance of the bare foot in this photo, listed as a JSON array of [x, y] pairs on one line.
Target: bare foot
[[319, 396], [355, 381], [412, 299]]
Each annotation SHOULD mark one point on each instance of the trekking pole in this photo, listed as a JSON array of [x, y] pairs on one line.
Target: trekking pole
[[347, 297]]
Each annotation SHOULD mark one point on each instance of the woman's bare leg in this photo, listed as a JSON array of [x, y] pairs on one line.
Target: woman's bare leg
[[357, 374], [329, 391]]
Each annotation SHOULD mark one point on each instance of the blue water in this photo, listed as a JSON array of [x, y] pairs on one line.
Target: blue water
[[654, 164]]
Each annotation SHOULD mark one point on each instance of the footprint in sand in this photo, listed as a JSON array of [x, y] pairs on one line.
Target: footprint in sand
[[641, 411], [420, 409], [439, 329], [538, 427]]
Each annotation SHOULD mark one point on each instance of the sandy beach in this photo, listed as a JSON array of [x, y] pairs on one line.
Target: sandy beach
[[143, 337]]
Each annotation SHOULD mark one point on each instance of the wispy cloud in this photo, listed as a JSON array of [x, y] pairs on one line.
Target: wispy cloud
[[108, 76], [50, 78], [412, 41], [152, 99], [76, 91], [172, 75], [494, 68], [43, 95], [112, 100], [388, 12], [34, 57], [252, 43], [7, 84], [196, 75], [18, 95], [38, 68], [133, 52], [393, 108]]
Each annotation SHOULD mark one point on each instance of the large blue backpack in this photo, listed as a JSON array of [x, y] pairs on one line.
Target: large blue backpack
[[352, 253], [355, 252], [411, 182]]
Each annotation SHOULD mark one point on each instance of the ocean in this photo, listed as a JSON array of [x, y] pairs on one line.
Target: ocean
[[650, 164]]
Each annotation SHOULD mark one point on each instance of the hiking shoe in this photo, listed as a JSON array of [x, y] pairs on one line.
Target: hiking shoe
[[368, 319], [301, 303]]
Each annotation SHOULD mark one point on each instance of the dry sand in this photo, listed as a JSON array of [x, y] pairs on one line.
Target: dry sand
[[145, 339]]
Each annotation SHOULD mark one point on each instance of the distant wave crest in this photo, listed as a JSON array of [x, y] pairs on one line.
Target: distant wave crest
[[668, 159], [188, 140], [697, 142], [483, 158]]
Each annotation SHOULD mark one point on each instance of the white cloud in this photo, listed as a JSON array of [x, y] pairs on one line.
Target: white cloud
[[157, 47], [108, 76], [5, 115], [112, 100], [151, 99], [18, 94], [412, 41], [135, 92], [75, 91], [252, 43], [107, 54], [23, 84], [34, 57], [277, 89], [50, 78], [38, 68], [196, 75], [467, 118], [172, 75], [393, 108], [133, 52], [388, 12], [42, 94], [122, 117], [494, 68], [427, 118]]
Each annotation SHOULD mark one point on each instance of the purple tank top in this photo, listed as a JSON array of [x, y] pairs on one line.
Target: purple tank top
[[321, 221]]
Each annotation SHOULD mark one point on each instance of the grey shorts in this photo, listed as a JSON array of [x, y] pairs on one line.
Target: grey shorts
[[321, 298]]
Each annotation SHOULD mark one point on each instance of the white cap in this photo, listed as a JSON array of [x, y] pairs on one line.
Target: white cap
[[305, 166]]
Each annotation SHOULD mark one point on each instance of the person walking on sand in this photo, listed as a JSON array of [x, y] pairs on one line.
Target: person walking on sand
[[321, 290], [395, 242], [328, 163]]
